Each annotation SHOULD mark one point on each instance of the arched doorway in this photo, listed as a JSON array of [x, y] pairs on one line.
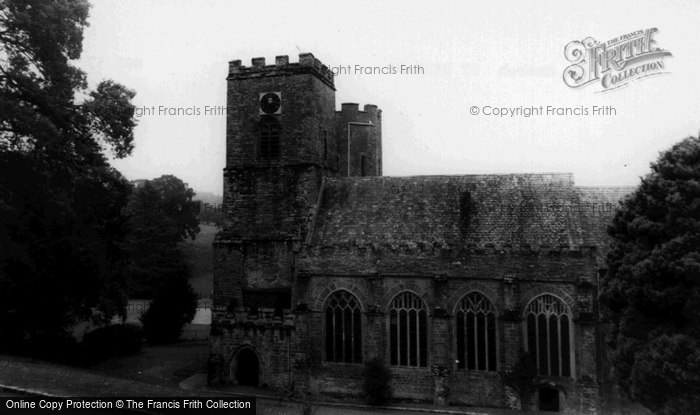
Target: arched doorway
[[247, 368], [549, 400]]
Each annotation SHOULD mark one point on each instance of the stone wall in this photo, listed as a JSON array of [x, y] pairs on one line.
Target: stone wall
[[510, 281]]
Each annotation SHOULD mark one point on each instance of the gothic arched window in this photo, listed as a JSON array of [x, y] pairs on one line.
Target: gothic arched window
[[269, 138], [408, 331], [548, 322], [476, 333], [343, 328]]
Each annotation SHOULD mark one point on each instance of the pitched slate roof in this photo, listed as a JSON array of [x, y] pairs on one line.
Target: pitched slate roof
[[516, 210], [600, 204]]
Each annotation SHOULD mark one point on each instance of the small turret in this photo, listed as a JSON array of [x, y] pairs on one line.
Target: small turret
[[359, 135]]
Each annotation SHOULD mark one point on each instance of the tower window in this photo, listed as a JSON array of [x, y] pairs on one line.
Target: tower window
[[325, 145], [269, 138], [476, 333], [548, 329], [408, 331], [363, 167], [343, 328]]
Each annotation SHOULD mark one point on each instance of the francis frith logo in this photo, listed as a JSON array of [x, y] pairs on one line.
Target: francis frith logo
[[614, 63]]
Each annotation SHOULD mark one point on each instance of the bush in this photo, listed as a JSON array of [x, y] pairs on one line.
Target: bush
[[174, 306], [522, 378], [113, 340], [60, 348], [377, 378]]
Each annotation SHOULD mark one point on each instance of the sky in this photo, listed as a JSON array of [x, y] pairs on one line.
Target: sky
[[474, 58]]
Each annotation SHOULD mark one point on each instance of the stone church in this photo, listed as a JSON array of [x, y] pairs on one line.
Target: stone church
[[324, 263]]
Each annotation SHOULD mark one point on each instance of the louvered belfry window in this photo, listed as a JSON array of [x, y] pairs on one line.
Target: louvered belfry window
[[548, 335], [408, 331], [476, 333], [343, 328]]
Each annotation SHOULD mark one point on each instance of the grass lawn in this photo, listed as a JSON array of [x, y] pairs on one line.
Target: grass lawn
[[200, 255], [160, 365]]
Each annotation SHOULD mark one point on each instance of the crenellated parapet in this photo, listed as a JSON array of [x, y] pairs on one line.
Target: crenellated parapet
[[350, 111], [307, 64], [426, 259], [442, 250], [247, 317]]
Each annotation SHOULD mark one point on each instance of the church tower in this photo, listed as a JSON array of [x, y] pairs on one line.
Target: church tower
[[280, 144], [284, 139]]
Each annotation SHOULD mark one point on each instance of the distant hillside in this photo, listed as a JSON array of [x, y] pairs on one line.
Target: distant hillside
[[208, 197], [200, 255]]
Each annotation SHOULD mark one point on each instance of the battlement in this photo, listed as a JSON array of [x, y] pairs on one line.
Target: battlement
[[442, 250], [426, 259], [245, 316], [354, 108], [307, 64], [350, 112]]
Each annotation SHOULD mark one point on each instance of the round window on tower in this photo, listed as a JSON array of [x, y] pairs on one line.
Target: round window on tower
[[270, 102]]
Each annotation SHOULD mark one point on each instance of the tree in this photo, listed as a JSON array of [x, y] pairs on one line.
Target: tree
[[161, 215], [652, 287], [39, 113], [60, 200], [212, 214], [165, 203], [174, 306], [376, 382], [522, 378]]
